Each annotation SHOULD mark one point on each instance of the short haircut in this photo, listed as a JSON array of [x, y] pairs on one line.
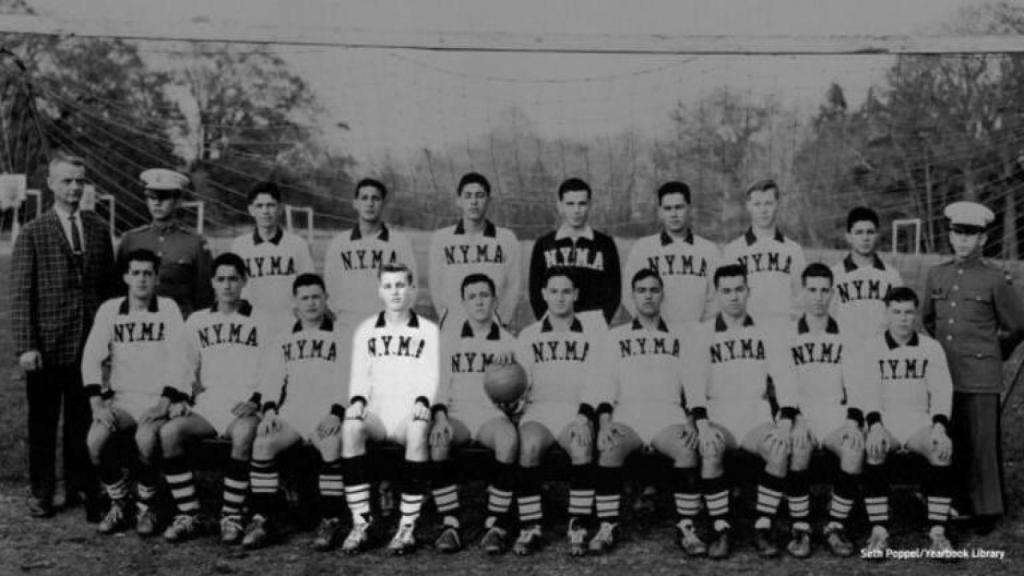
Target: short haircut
[[474, 178], [478, 278], [229, 259], [269, 188], [817, 270], [901, 294], [861, 214], [730, 271], [395, 267], [373, 183], [674, 187], [559, 271], [644, 274], [142, 255], [763, 186], [307, 279], [573, 185], [64, 158]]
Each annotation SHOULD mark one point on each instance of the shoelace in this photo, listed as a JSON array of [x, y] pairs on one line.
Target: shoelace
[[528, 534], [605, 532]]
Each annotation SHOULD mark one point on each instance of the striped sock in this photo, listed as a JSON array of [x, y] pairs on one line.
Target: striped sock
[[686, 490], [236, 486], [182, 485], [581, 491], [844, 493], [332, 489], [414, 490], [112, 476], [118, 489], [146, 482], [263, 482], [939, 489], [716, 498], [798, 498], [528, 496], [500, 492], [876, 494], [608, 493], [446, 491], [769, 494], [357, 488]]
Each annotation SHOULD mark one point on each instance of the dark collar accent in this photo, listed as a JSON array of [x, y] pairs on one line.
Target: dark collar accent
[[490, 230], [850, 266], [667, 239], [275, 239], [662, 327], [493, 334], [720, 325], [576, 326], [125, 306], [751, 238], [244, 308], [327, 325], [830, 328], [892, 344], [383, 236], [414, 321]]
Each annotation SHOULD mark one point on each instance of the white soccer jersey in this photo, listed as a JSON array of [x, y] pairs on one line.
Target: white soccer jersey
[[647, 365], [911, 381], [350, 270], [394, 365], [687, 268], [858, 294], [223, 353], [272, 267], [304, 374], [464, 358], [774, 266], [144, 348], [455, 255], [565, 367]]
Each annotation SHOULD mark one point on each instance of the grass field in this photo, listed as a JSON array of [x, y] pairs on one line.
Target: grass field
[[66, 545]]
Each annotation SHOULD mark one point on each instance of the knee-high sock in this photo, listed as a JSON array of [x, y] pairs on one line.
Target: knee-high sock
[[608, 492], [939, 488], [332, 488], [499, 493], [686, 490], [798, 498], [445, 489], [357, 488], [716, 498], [263, 481], [528, 496], [581, 491], [112, 475], [416, 483], [236, 487], [182, 484], [876, 494], [769, 495], [844, 494], [146, 485]]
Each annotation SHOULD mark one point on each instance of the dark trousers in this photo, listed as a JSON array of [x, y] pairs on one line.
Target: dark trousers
[[48, 389], [977, 453]]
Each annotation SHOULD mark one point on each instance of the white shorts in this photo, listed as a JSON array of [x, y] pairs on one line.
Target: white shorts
[[302, 418], [647, 420], [135, 403], [823, 420], [903, 425], [219, 416], [474, 417], [739, 421], [555, 416]]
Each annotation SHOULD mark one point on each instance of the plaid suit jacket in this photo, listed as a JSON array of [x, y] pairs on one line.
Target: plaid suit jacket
[[55, 294]]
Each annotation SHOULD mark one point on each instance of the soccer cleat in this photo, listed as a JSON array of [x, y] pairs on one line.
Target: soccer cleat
[[529, 540], [877, 543], [799, 545], [838, 543], [358, 538], [404, 540], [231, 530], [940, 544], [449, 541], [327, 534], [688, 540], [719, 548], [145, 521], [184, 527], [494, 541], [605, 538], [116, 519], [258, 534], [577, 537], [766, 547]]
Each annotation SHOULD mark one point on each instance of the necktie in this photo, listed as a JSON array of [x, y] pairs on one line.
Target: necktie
[[76, 240]]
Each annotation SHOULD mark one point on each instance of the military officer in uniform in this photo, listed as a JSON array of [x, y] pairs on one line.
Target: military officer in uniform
[[971, 308], [184, 256]]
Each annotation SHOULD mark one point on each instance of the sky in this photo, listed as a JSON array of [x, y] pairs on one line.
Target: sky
[[404, 100]]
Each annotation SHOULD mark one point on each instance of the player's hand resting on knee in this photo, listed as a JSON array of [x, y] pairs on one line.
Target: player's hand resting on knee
[[608, 436], [355, 411], [942, 446], [441, 433], [156, 412], [711, 440], [851, 437], [178, 410], [102, 415], [877, 443], [690, 437], [581, 432], [802, 437], [244, 409], [420, 411], [329, 426], [269, 424]]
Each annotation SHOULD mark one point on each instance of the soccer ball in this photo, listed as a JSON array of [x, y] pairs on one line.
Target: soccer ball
[[505, 383]]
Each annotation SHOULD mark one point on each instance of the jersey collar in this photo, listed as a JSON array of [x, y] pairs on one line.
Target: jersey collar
[[576, 326], [667, 238], [493, 334], [721, 326], [275, 239], [490, 230], [892, 344], [125, 306], [327, 325], [414, 321], [830, 328], [383, 235], [563, 232], [849, 265], [751, 238], [244, 308], [662, 327]]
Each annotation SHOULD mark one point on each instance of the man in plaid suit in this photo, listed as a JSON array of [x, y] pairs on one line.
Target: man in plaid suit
[[62, 266]]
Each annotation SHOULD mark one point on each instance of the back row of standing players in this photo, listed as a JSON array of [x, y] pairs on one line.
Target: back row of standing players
[[748, 294]]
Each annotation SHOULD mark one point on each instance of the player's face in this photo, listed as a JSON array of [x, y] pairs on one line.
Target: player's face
[[901, 317], [396, 291], [227, 284], [265, 211], [862, 237], [966, 245], [732, 295], [369, 203], [817, 295], [647, 295], [141, 279], [560, 296], [310, 303], [479, 302], [574, 208], [761, 205], [674, 212], [67, 182], [473, 201], [162, 205]]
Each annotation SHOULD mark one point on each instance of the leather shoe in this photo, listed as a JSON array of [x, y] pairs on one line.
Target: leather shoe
[[40, 508]]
